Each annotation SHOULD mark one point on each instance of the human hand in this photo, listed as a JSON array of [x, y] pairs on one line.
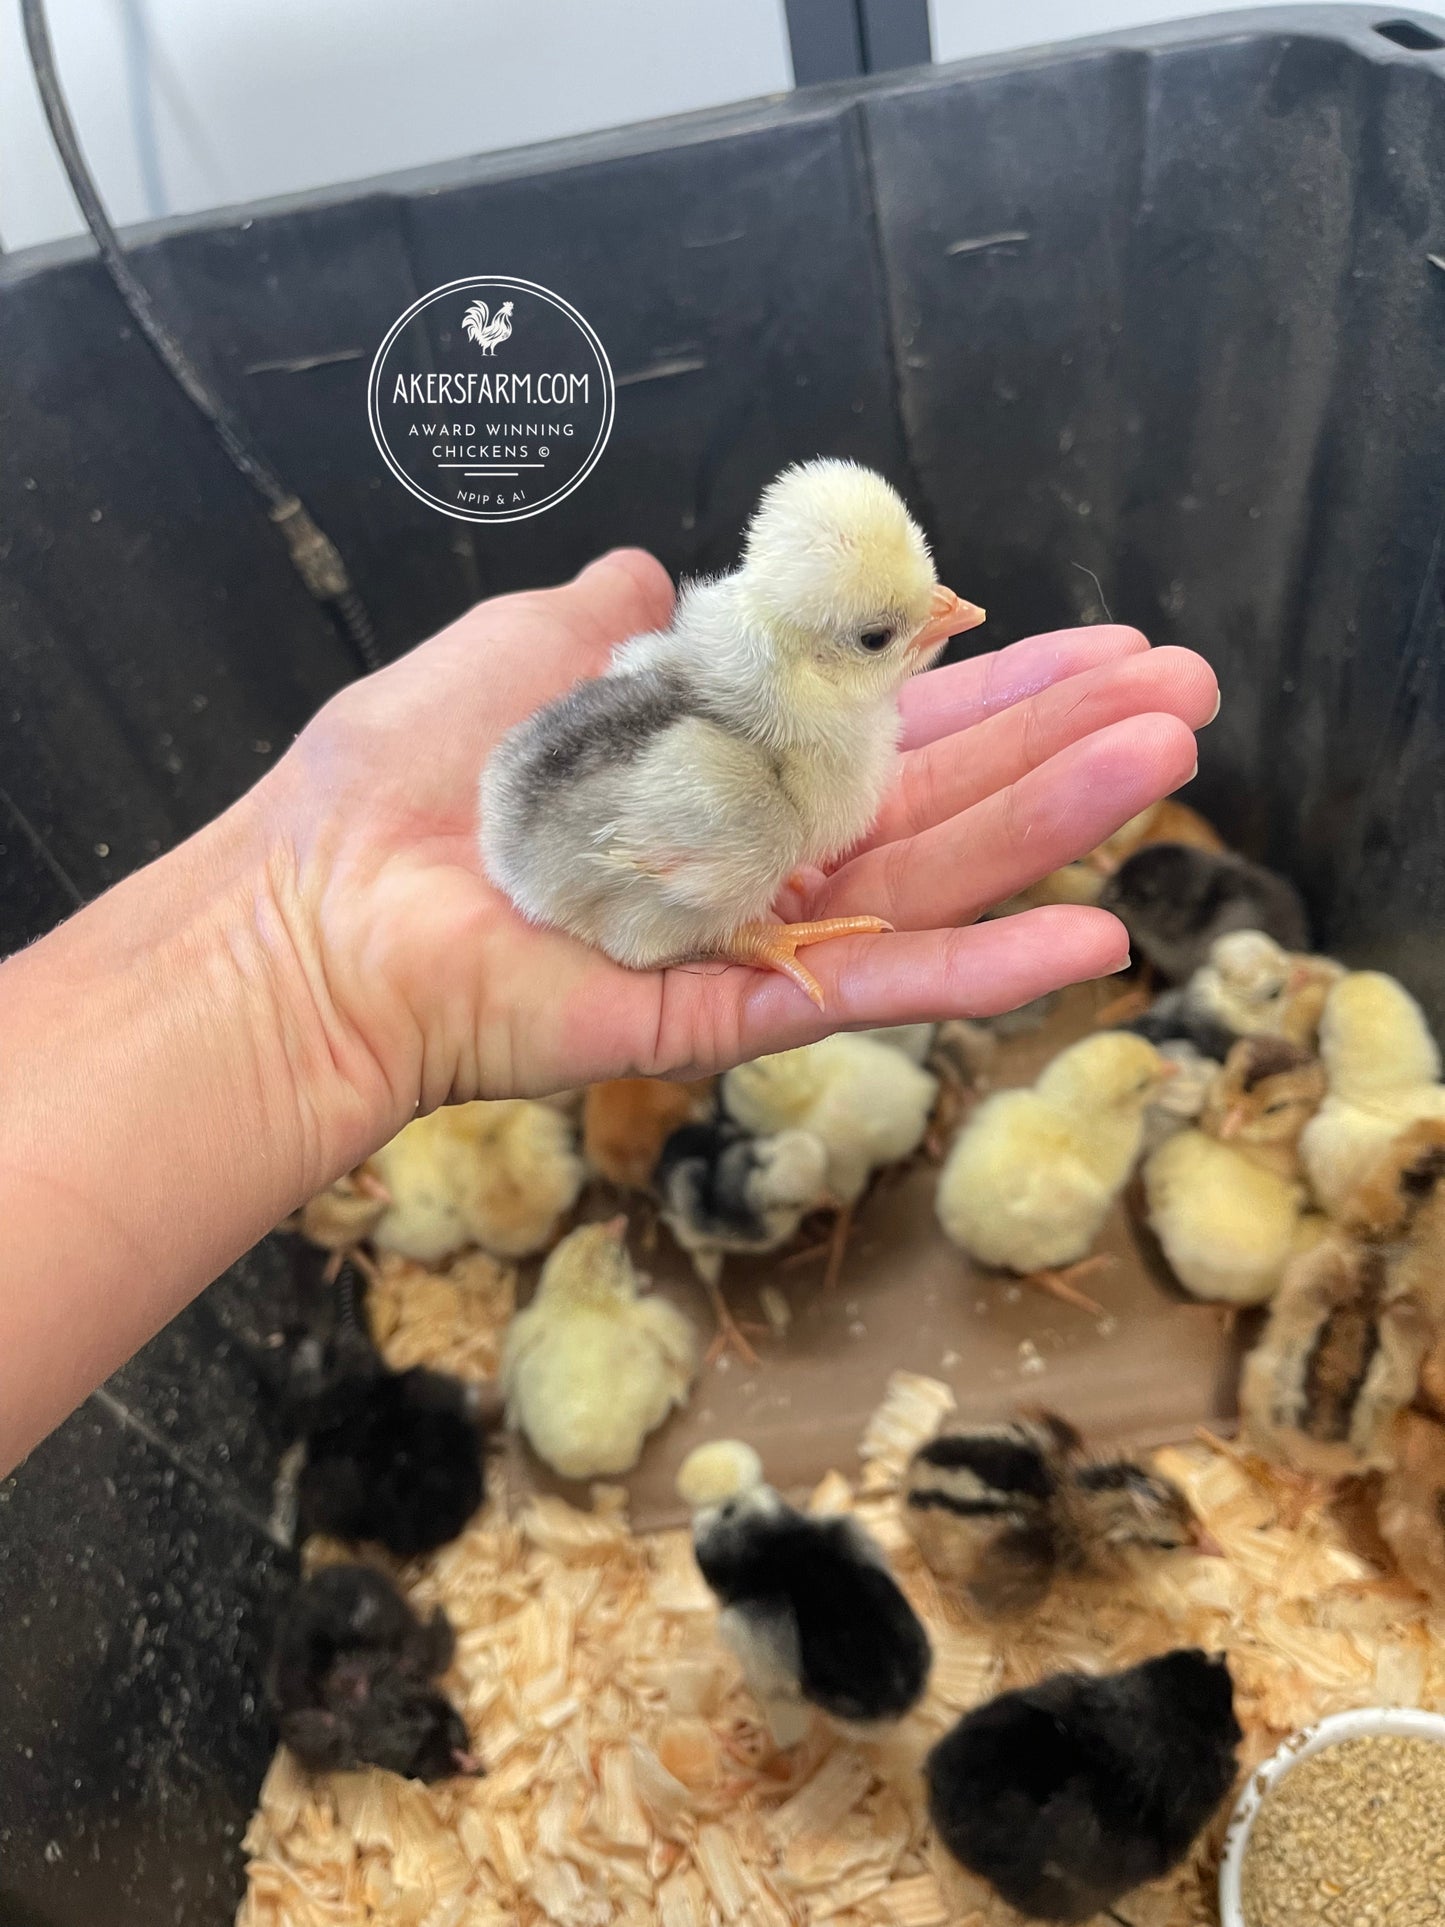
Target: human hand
[[435, 988]]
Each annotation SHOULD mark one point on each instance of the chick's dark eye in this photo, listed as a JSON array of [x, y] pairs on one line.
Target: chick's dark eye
[[875, 639]]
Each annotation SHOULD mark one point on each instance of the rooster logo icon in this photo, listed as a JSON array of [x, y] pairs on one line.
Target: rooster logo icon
[[488, 330]]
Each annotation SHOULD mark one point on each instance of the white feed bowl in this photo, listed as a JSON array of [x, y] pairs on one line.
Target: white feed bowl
[[1408, 1720]]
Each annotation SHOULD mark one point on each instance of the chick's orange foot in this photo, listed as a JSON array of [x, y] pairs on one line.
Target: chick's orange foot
[[1060, 1283], [773, 946]]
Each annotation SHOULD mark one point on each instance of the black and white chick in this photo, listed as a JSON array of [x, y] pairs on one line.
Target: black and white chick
[[1067, 1795], [349, 1680], [394, 1457], [809, 1607], [1176, 901], [1004, 1510], [724, 1189]]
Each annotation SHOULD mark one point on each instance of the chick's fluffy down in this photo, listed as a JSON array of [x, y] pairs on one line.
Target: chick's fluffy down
[[501, 1175], [1032, 1175], [1384, 1069], [867, 1103], [590, 1367], [1228, 1228]]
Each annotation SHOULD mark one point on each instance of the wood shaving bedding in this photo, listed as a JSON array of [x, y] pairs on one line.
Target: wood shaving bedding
[[629, 1780]]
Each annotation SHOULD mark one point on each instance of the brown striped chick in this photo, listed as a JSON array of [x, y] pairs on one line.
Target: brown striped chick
[[981, 1506], [1383, 1067], [1339, 1359], [626, 1122], [1226, 1200], [501, 1175], [1412, 1503], [1402, 1204], [1002, 1511]]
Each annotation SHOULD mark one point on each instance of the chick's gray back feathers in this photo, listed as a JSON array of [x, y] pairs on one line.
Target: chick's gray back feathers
[[632, 814]]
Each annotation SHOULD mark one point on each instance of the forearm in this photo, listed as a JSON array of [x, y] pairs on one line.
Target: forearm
[[173, 1083]]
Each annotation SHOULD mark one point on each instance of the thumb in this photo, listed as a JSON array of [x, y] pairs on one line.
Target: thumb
[[623, 593]]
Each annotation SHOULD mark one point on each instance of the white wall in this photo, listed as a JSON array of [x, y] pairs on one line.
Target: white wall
[[256, 97], [187, 104], [964, 27]]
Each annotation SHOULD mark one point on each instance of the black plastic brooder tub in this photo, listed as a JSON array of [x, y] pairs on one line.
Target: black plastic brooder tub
[[1152, 324]]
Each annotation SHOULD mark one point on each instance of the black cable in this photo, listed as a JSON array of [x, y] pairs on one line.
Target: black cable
[[314, 555]]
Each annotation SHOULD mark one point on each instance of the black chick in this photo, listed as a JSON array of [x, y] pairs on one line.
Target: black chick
[[1173, 1018], [809, 1607], [395, 1457], [349, 1680], [1175, 900], [1068, 1794]]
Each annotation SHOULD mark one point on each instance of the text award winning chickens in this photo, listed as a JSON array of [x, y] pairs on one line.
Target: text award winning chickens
[[491, 398]]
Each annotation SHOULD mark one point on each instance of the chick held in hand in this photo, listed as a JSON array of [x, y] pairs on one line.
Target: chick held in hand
[[593, 1365], [1227, 1201], [656, 811], [1067, 1795], [810, 1609], [1383, 1067], [1176, 901], [500, 1174], [349, 1680], [1034, 1173]]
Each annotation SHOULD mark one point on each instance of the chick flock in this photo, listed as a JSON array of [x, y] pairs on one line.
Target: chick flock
[[1283, 1119]]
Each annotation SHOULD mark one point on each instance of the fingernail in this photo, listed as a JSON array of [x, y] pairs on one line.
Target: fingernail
[[1128, 959], [1218, 699]]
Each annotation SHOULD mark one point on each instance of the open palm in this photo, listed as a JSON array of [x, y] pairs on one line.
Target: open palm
[[1013, 764]]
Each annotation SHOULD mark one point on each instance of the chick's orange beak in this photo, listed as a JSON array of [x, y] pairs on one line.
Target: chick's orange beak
[[1204, 1541], [1233, 1121], [948, 615]]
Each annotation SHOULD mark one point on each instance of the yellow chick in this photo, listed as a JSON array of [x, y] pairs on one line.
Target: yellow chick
[[591, 1366], [866, 1102], [500, 1175], [1033, 1173], [1226, 1201], [1383, 1067]]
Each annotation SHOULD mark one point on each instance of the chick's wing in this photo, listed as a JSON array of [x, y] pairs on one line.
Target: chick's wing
[[702, 812]]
